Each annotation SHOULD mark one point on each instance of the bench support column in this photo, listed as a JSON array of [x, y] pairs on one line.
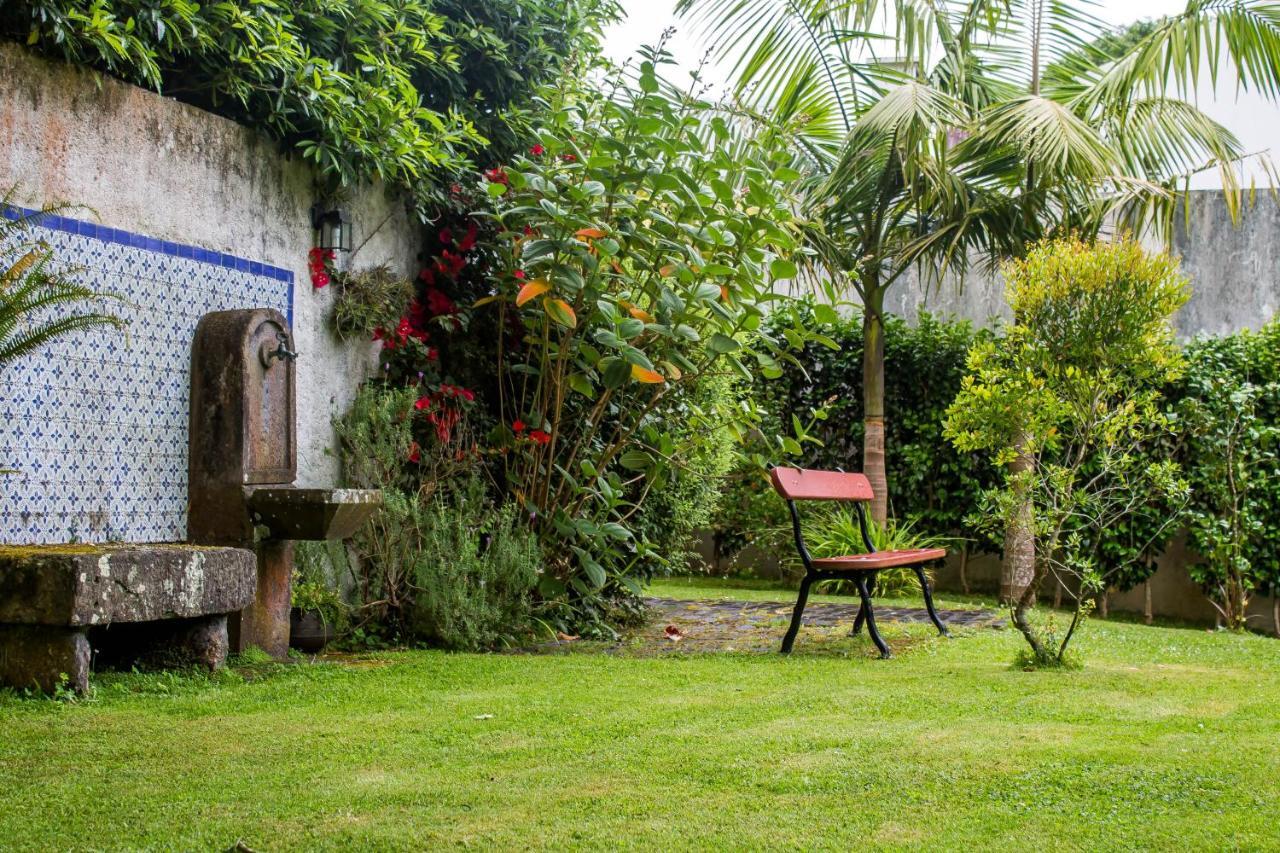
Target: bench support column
[[45, 657]]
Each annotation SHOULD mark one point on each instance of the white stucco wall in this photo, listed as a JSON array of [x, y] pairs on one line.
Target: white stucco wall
[[153, 166]]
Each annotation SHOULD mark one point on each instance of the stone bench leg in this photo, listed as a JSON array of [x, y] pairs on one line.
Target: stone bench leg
[[204, 641], [44, 657]]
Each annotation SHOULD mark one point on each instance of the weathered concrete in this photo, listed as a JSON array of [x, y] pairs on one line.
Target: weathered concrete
[[152, 165], [97, 585]]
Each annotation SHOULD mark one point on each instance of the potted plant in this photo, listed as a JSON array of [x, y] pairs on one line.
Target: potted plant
[[318, 614]]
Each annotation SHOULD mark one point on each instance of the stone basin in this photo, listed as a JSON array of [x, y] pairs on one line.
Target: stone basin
[[291, 513]]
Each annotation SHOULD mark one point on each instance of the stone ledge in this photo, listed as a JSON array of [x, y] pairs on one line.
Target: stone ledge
[[83, 585]]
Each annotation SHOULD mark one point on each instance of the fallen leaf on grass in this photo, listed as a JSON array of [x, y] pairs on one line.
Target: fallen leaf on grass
[[483, 717], [673, 634], [565, 638]]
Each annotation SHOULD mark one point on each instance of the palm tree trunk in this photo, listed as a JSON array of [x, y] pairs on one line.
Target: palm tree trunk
[[1019, 535], [873, 464], [1148, 616]]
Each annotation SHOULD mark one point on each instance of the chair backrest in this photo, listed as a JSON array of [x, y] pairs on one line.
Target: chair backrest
[[800, 484]]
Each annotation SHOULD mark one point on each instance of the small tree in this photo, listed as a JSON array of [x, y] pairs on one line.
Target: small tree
[[1072, 387]]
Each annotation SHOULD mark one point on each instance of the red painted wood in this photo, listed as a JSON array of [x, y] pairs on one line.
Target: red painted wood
[[879, 560], [799, 484]]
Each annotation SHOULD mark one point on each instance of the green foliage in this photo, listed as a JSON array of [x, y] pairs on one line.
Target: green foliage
[[37, 299], [322, 599], [368, 300], [473, 571], [1230, 419], [376, 89], [834, 531], [1071, 391], [932, 484], [685, 497], [641, 236]]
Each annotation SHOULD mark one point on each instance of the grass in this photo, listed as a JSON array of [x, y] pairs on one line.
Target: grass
[[1170, 737]]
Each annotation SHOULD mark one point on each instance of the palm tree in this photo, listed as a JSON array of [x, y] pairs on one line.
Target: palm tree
[[991, 124]]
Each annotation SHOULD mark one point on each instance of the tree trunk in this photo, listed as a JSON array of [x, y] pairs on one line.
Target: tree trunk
[[1019, 536], [1148, 616], [873, 400], [1104, 605], [1275, 610], [964, 578]]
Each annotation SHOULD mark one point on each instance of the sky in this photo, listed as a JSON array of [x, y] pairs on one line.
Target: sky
[[647, 18], [1255, 121]]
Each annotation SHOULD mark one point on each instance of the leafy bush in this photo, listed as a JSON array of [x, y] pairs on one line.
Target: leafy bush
[[685, 497], [437, 563], [834, 531], [389, 89], [933, 484], [474, 571], [1071, 389], [1229, 413], [640, 238]]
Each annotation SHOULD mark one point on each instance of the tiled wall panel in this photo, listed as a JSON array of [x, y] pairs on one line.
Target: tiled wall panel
[[95, 424]]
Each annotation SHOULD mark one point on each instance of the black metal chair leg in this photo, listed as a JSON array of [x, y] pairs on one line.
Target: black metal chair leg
[[928, 602], [871, 618], [858, 620], [789, 640]]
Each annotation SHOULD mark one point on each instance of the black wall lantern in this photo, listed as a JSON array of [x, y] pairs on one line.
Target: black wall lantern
[[333, 228]]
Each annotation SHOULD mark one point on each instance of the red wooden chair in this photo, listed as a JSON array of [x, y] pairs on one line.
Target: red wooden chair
[[798, 484]]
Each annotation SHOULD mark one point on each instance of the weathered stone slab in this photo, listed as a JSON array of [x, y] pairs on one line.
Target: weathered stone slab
[[73, 585]]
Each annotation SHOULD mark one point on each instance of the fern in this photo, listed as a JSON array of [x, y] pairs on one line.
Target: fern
[[29, 283]]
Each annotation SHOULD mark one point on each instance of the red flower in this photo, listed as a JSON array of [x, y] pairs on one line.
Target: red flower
[[319, 279], [497, 176], [424, 403], [415, 452], [446, 236], [432, 353], [528, 232], [569, 158], [439, 304], [539, 436], [451, 263], [428, 275], [537, 151], [468, 242], [519, 274], [518, 426]]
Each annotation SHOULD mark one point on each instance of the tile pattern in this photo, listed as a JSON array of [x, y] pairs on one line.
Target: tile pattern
[[95, 424]]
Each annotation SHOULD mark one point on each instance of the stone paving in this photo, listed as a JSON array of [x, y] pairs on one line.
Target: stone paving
[[727, 625]]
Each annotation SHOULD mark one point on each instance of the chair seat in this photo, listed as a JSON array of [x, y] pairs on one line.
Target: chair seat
[[879, 560]]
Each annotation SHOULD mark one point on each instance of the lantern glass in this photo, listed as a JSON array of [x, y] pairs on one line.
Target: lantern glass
[[333, 229]]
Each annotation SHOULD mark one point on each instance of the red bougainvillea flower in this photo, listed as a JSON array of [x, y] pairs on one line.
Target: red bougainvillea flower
[[415, 452], [455, 189], [433, 354], [424, 403], [318, 266], [452, 263], [528, 232], [446, 236], [569, 158], [537, 151], [438, 304], [467, 243], [497, 176], [519, 274], [539, 436], [518, 426]]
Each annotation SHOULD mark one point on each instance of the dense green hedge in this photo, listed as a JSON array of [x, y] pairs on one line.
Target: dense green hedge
[[395, 89], [929, 481]]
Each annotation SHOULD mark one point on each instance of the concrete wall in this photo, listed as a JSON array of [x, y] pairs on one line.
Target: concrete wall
[[151, 165], [1234, 271]]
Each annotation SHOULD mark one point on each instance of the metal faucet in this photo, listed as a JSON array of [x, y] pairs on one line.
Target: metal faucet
[[282, 351]]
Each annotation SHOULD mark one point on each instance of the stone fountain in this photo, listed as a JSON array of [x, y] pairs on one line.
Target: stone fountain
[[244, 460]]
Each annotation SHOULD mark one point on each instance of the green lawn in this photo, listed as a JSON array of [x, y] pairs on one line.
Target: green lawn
[[1170, 737]]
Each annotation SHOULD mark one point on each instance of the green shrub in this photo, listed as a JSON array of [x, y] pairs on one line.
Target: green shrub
[[931, 484], [376, 89], [1229, 414], [473, 571], [685, 498]]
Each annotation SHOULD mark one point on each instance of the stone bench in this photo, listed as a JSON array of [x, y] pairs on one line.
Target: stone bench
[[58, 604]]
